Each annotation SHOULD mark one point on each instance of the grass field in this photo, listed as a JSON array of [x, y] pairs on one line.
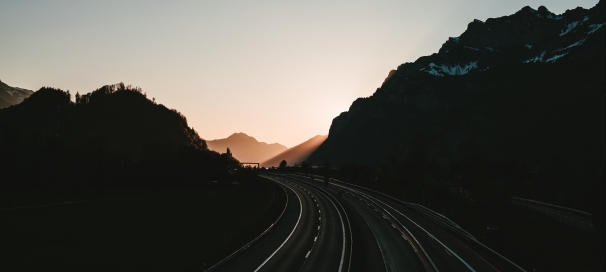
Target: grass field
[[161, 231]]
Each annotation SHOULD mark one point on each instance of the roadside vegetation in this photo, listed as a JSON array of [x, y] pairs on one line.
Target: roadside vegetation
[[111, 139]]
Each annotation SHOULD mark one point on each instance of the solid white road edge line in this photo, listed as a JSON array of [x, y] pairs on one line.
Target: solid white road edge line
[[342, 227], [293, 230]]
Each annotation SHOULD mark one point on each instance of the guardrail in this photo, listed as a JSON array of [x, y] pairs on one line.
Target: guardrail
[[575, 218], [551, 205], [249, 244]]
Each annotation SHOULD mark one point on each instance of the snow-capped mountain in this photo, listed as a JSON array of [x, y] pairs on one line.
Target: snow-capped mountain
[[528, 36], [514, 86]]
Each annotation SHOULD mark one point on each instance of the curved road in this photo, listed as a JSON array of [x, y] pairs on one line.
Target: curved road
[[447, 250], [345, 227], [308, 238]]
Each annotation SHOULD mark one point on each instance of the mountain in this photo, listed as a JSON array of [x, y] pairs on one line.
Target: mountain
[[528, 87], [246, 148], [114, 136], [12, 95], [296, 154]]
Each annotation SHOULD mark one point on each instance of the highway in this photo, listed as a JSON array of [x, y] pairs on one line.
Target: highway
[[344, 227], [447, 250], [313, 228]]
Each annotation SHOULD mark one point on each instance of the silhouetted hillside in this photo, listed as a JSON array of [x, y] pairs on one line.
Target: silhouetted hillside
[[514, 106], [12, 95], [526, 87], [113, 136], [246, 148], [296, 154]]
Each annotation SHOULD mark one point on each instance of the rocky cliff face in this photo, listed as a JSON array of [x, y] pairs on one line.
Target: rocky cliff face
[[528, 36], [12, 95], [513, 86]]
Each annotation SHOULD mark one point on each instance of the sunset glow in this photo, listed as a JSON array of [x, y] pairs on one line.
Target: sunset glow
[[281, 71], [345, 135]]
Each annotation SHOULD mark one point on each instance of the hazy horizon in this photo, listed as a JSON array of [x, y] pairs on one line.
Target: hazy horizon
[[279, 72]]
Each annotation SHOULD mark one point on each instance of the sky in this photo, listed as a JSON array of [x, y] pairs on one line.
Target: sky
[[279, 71]]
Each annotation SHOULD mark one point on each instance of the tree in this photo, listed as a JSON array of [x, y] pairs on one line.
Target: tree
[[228, 152], [283, 164]]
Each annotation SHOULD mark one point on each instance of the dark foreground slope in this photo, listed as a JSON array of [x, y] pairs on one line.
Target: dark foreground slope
[[167, 230], [112, 137], [526, 87]]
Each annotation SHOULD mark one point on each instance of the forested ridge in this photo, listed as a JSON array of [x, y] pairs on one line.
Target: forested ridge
[[112, 137]]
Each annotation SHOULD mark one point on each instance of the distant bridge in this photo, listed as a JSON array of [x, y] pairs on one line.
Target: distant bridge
[[244, 163]]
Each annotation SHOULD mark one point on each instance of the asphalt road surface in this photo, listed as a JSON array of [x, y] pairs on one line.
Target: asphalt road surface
[[343, 227], [310, 236]]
